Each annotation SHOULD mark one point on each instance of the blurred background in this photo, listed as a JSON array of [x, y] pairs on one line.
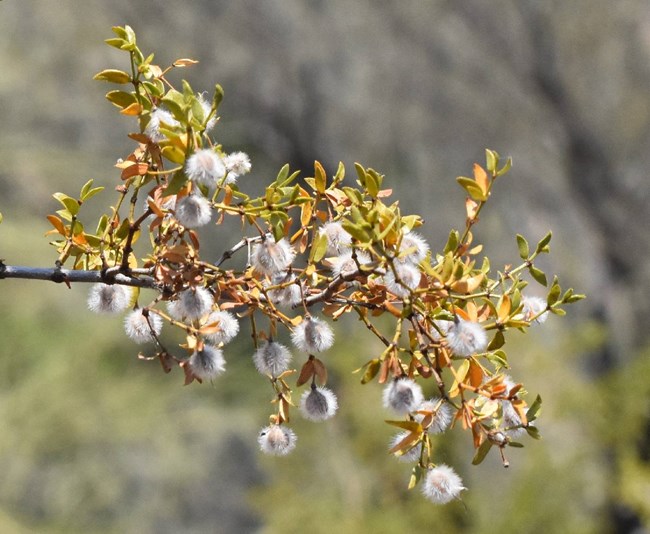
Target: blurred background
[[94, 440]]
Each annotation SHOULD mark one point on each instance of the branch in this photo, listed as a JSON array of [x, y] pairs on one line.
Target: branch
[[59, 275]]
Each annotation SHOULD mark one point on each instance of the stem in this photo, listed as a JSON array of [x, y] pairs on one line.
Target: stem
[[57, 275]]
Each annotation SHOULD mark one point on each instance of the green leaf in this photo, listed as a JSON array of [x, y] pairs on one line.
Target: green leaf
[[320, 179], [554, 293], [119, 31], [515, 444], [1, 218], [538, 275], [129, 37], [175, 103], [491, 160], [472, 188], [69, 203], [113, 76], [542, 246], [481, 452], [356, 231], [115, 42], [361, 174], [177, 182], [121, 99], [535, 409], [522, 244], [318, 247], [372, 368], [497, 342], [218, 96], [533, 432], [505, 168]]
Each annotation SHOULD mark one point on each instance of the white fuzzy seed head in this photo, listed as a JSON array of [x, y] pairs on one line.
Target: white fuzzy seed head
[[442, 411], [338, 240], [193, 211], [408, 274], [104, 298], [237, 164], [194, 303], [205, 167], [158, 118], [287, 296], [228, 327], [313, 335], [207, 108], [277, 440], [403, 396], [413, 248], [442, 485], [318, 404], [139, 328], [465, 338], [344, 265], [440, 326], [410, 456], [533, 306], [272, 358], [272, 258], [208, 363]]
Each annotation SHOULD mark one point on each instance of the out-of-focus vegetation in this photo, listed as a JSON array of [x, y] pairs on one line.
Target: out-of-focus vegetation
[[94, 440]]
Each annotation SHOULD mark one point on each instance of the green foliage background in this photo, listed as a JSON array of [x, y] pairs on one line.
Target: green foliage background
[[96, 441]]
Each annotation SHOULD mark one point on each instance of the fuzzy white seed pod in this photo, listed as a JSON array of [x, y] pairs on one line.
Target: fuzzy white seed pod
[[159, 117], [194, 303], [440, 326], [139, 328], [408, 274], [344, 265], [277, 440], [175, 310], [237, 164], [465, 338], [532, 306], [511, 420], [403, 395], [442, 484], [442, 411], [272, 257], [312, 335], [410, 456], [228, 327], [205, 167], [413, 248], [338, 240], [287, 296], [104, 298], [272, 358], [207, 108], [193, 211], [318, 404], [208, 363]]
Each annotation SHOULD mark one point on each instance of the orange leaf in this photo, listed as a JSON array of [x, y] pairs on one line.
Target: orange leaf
[[481, 178], [134, 169], [184, 62], [475, 374], [58, 224], [132, 109], [321, 371], [306, 373]]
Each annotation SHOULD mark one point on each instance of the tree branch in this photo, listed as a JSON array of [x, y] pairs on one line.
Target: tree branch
[[59, 275]]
